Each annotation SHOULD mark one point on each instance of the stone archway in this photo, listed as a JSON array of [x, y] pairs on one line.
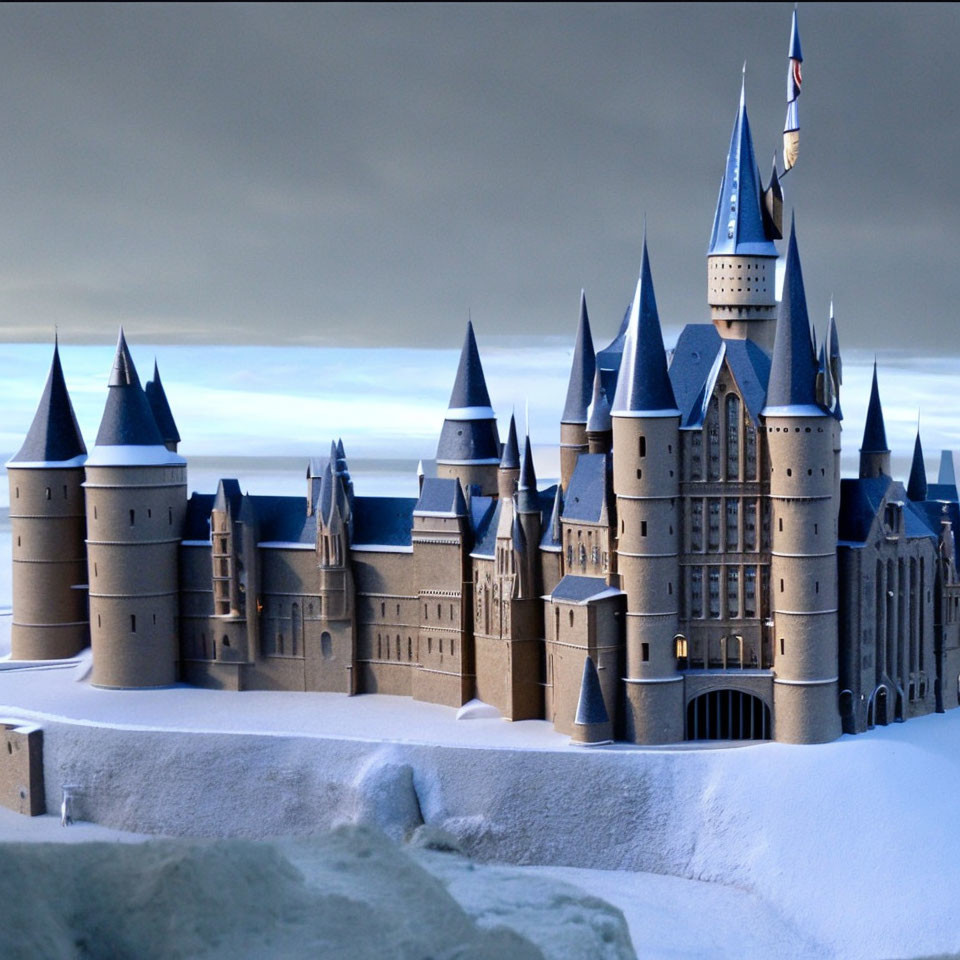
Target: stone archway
[[728, 715]]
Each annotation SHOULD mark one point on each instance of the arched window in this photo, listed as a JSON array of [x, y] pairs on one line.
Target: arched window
[[713, 439], [326, 646]]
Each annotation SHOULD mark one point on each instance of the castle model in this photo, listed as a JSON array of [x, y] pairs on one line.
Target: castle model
[[700, 571]]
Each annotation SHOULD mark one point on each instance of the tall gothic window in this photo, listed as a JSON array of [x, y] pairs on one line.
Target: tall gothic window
[[733, 523], [750, 592], [733, 592], [750, 526], [750, 442], [713, 516], [696, 455], [696, 592], [733, 436], [714, 579], [696, 525], [713, 440]]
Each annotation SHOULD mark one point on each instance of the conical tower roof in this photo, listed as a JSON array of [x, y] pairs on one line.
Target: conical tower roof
[[738, 225], [643, 384], [161, 408], [591, 709], [469, 433], [581, 371], [598, 413], [874, 431], [793, 373], [128, 434], [917, 484], [54, 436], [510, 456], [552, 534], [470, 386], [527, 499], [127, 418], [947, 475]]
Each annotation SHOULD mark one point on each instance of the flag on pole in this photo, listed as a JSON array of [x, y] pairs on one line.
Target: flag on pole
[[791, 128]]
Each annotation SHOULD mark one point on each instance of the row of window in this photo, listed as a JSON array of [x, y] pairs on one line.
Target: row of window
[[731, 591], [731, 445], [731, 524], [388, 649]]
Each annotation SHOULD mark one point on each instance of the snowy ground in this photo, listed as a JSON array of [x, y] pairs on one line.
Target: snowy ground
[[847, 849]]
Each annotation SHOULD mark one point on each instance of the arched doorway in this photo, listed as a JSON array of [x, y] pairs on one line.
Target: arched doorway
[[880, 706], [728, 715]]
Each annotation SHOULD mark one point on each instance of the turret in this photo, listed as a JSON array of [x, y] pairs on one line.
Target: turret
[[469, 447], [874, 452], [509, 472], [161, 411], [803, 562], [47, 527], [599, 424], [573, 423], [741, 260], [917, 484], [135, 503], [330, 664], [528, 516], [646, 480]]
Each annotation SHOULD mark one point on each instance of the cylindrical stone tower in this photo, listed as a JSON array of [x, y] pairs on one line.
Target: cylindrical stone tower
[[47, 531], [803, 562], [646, 480], [136, 500]]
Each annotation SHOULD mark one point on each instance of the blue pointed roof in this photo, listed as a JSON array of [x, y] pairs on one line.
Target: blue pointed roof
[[552, 532], [470, 386], [161, 408], [738, 224], [127, 417], [54, 436], [795, 52], [581, 371], [917, 484], [792, 389], [527, 499], [598, 413], [591, 710], [874, 431], [469, 433], [946, 474], [510, 456], [643, 384]]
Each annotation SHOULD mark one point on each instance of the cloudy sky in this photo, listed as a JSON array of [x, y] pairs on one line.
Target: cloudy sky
[[353, 174]]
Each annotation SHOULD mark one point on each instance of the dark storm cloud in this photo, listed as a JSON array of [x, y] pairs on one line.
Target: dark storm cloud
[[367, 174]]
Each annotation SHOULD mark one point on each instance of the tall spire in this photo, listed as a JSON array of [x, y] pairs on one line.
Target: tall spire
[[793, 374], [161, 409], [527, 500], [510, 457], [127, 417], [470, 387], [643, 384], [54, 436], [874, 431], [738, 225], [469, 434], [917, 484], [598, 413], [581, 371]]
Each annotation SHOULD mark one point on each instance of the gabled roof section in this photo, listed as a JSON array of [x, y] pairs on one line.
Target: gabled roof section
[[947, 474], [793, 374], [485, 531], [510, 456], [643, 385], [591, 710], [917, 484], [861, 502], [161, 408], [54, 436], [127, 420], [590, 493], [572, 589], [441, 497], [697, 361], [738, 227], [874, 431], [581, 371], [228, 495]]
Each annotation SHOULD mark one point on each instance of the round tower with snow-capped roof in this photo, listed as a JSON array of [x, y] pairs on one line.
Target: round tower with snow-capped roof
[[135, 503]]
